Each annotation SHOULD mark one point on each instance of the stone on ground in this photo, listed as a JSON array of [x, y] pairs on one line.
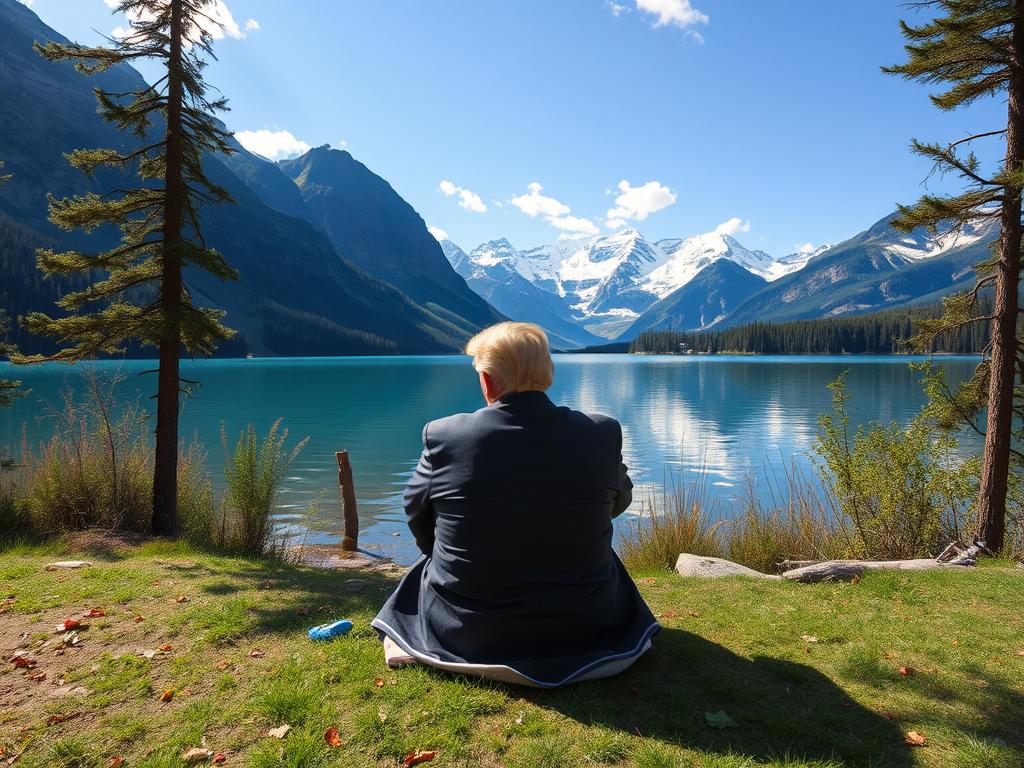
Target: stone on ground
[[706, 567]]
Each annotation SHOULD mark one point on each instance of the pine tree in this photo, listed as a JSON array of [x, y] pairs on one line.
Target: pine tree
[[974, 49], [8, 389], [141, 294]]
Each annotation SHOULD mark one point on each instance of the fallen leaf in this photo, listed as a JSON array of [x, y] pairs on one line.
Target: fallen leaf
[[181, 599], [809, 638], [379, 682], [219, 758], [906, 671], [167, 695], [668, 615], [693, 613], [37, 676], [22, 662], [256, 653], [280, 732], [647, 580], [888, 715], [223, 664], [116, 761], [916, 739], [139, 619], [855, 579], [69, 624], [1020, 652], [166, 647], [55, 719], [720, 720], [197, 755], [415, 758], [332, 737]]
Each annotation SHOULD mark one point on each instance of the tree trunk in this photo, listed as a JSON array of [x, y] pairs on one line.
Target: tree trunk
[[165, 476], [1002, 372]]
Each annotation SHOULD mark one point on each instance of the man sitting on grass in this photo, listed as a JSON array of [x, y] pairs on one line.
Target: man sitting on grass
[[512, 507]]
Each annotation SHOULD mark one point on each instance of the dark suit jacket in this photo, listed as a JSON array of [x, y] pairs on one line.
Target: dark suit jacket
[[512, 507]]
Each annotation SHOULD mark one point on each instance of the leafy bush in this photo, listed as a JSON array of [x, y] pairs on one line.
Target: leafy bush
[[900, 492], [254, 471]]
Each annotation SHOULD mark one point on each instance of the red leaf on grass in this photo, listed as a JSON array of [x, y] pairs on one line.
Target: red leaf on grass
[[70, 624], [224, 664], [379, 682], [256, 653], [415, 758], [906, 671], [166, 647], [167, 695], [55, 719], [181, 599], [116, 761], [219, 758], [22, 662], [332, 737], [139, 619]]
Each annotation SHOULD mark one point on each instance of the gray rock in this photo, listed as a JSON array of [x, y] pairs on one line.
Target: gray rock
[[704, 567]]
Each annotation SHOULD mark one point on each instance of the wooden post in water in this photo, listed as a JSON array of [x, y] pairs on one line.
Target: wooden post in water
[[350, 541]]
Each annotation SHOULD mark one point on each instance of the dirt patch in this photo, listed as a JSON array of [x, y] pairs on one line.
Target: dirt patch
[[102, 541]]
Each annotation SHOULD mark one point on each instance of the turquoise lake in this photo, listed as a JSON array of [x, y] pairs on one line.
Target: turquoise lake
[[723, 422]]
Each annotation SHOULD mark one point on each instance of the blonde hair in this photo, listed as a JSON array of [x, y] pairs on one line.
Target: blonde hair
[[515, 355]]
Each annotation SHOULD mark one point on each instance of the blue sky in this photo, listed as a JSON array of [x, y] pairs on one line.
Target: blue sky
[[539, 118]]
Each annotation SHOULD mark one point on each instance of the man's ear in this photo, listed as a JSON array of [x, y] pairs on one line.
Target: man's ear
[[491, 389]]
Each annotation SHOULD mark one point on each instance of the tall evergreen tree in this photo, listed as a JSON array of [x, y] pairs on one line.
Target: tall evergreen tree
[[8, 389], [141, 293], [974, 49]]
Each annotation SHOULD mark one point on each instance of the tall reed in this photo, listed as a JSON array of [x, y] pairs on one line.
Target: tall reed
[[254, 469]]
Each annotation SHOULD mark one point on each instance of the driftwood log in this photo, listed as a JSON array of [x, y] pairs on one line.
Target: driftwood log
[[810, 571], [350, 540], [846, 570]]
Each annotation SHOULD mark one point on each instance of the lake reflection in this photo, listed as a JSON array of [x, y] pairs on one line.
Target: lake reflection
[[725, 421]]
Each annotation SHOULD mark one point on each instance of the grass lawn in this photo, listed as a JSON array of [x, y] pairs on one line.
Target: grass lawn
[[809, 674]]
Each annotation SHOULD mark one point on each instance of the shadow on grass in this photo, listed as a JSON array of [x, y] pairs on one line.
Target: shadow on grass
[[782, 708]]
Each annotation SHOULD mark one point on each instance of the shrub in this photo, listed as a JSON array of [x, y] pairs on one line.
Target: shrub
[[96, 470], [254, 471], [900, 491], [803, 528], [677, 521]]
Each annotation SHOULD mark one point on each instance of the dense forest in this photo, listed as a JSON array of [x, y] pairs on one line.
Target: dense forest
[[880, 333]]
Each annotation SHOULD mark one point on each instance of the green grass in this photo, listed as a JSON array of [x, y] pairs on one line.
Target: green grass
[[734, 645]]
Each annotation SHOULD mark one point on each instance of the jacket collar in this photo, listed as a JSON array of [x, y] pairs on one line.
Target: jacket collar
[[531, 398]]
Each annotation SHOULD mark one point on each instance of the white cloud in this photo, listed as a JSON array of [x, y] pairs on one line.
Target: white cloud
[[534, 204], [467, 199], [616, 8], [573, 225], [274, 145], [679, 13], [220, 24], [438, 233], [733, 226], [637, 203], [27, 2], [342, 144], [804, 249], [554, 212]]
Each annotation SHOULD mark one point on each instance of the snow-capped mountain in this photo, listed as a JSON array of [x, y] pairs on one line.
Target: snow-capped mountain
[[613, 285], [491, 270]]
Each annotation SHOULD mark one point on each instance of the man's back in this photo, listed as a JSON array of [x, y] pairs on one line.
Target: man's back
[[527, 488]]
